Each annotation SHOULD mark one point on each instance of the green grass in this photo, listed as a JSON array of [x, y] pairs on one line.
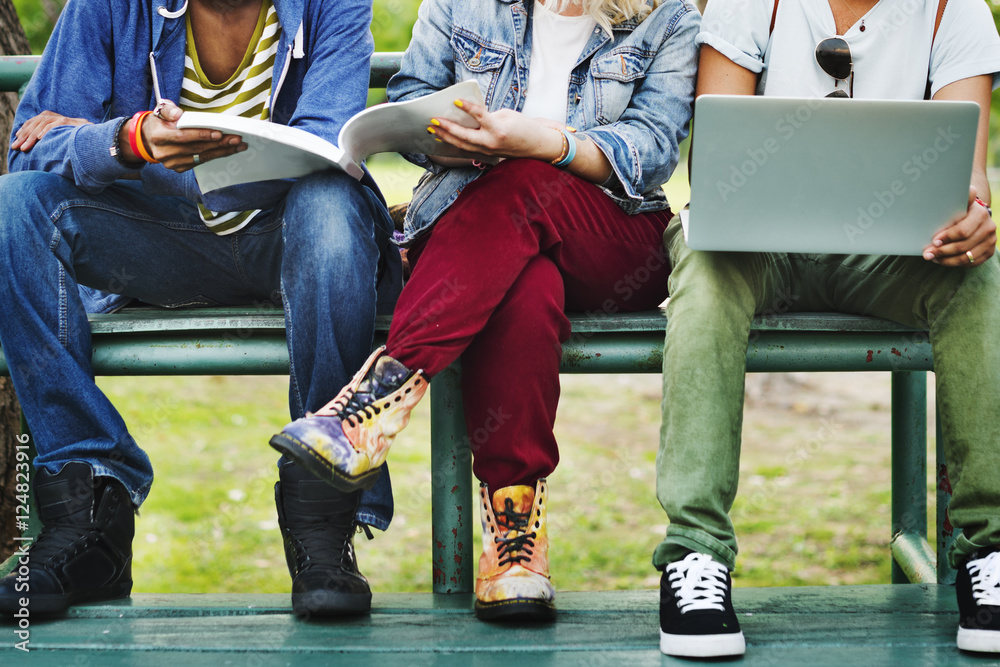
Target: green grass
[[209, 523]]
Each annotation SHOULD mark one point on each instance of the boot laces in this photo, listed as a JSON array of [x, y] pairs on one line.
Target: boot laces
[[985, 573], [358, 407], [515, 549], [323, 540], [355, 407], [57, 541], [699, 582]]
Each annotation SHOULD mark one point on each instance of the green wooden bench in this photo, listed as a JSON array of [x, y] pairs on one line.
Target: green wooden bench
[[251, 341]]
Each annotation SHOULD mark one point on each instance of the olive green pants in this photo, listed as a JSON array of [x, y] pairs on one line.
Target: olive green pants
[[713, 298]]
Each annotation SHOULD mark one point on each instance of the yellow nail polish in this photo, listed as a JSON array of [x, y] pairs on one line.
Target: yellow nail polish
[[458, 103], [571, 128], [430, 130], [438, 140], [435, 121]]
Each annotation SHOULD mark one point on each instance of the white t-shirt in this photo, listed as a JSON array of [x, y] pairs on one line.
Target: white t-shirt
[[890, 57], [556, 44]]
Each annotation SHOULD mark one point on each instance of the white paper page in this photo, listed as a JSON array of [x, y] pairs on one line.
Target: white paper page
[[684, 221], [401, 127], [274, 151]]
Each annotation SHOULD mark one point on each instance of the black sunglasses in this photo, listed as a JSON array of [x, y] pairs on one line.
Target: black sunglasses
[[833, 55]]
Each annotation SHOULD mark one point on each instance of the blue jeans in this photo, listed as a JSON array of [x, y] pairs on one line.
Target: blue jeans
[[317, 254]]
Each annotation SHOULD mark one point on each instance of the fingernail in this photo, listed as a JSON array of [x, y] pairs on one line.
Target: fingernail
[[458, 103], [430, 130], [234, 141], [435, 121], [928, 255], [571, 128], [438, 140], [938, 243]]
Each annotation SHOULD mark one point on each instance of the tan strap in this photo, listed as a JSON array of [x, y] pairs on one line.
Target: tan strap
[[937, 22], [774, 16]]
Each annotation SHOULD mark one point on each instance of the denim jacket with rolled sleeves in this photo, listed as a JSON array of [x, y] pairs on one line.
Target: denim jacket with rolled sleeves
[[631, 95]]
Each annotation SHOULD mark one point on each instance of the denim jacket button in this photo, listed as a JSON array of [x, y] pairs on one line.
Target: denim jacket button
[[474, 61]]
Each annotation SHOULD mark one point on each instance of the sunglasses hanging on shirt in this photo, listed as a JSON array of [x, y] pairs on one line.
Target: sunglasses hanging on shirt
[[833, 55]]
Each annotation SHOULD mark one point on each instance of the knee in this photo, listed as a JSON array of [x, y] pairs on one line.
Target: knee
[[26, 204], [715, 280], [333, 223], [330, 210], [517, 191]]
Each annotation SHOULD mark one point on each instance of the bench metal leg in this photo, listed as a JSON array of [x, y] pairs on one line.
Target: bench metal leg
[[454, 554], [913, 559], [945, 531]]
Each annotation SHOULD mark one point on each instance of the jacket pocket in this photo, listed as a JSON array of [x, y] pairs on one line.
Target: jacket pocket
[[479, 59], [615, 75]]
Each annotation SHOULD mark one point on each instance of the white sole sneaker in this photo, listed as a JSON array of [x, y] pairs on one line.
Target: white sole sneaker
[[983, 641], [703, 646]]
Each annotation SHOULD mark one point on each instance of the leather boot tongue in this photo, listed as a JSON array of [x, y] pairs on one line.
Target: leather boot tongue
[[512, 506], [385, 377]]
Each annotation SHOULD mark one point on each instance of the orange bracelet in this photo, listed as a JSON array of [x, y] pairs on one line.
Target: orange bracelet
[[139, 146]]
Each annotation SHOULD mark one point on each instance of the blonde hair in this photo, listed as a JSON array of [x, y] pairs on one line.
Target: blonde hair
[[608, 12]]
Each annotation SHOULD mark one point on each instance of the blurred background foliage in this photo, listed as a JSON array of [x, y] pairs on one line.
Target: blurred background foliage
[[391, 24]]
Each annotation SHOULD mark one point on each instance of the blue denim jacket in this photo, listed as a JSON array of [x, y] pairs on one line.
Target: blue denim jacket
[[631, 95], [98, 65]]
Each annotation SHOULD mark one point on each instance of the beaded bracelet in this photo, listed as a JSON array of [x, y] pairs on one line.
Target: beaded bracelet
[[564, 152]]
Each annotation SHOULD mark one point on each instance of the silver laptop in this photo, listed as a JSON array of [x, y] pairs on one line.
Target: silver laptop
[[827, 175]]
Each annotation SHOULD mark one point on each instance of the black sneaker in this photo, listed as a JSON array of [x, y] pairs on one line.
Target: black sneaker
[[696, 610], [317, 526], [84, 551], [977, 585]]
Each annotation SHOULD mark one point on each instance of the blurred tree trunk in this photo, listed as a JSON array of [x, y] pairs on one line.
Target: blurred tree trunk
[[12, 42]]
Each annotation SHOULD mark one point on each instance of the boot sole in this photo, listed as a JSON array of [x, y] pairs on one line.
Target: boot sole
[[324, 604], [516, 610], [981, 641], [703, 646], [320, 467], [47, 605]]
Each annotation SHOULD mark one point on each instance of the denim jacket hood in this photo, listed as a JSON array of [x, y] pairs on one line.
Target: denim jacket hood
[[630, 92], [99, 65]]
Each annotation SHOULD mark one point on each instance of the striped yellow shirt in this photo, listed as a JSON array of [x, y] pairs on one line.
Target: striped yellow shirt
[[247, 93]]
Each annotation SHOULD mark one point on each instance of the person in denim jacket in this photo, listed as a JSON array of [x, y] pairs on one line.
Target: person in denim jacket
[[560, 209], [100, 199]]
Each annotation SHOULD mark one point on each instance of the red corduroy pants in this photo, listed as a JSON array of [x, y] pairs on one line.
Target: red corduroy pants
[[491, 283]]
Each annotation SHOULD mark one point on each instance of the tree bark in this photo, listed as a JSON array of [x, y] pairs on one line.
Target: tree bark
[[12, 42]]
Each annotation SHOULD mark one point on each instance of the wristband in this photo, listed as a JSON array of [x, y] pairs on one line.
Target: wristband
[[569, 144], [135, 137], [983, 204], [131, 134]]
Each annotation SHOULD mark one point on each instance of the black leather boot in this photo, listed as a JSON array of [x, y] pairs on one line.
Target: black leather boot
[[84, 551], [317, 526]]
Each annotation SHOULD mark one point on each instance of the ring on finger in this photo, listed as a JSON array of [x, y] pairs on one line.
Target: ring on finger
[[972, 258], [197, 160], [158, 109]]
